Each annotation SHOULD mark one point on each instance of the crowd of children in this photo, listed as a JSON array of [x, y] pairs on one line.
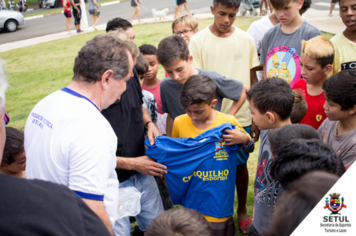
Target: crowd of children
[[280, 83]]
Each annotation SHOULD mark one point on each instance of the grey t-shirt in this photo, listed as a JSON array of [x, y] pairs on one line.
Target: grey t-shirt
[[170, 92], [267, 190], [346, 143], [280, 51], [91, 5]]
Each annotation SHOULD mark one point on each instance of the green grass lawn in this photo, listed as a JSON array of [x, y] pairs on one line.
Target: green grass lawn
[[36, 71]]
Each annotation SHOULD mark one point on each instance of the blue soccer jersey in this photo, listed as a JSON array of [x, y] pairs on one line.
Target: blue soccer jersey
[[201, 170]]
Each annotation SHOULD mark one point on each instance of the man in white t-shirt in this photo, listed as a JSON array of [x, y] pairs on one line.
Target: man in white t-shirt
[[68, 141]]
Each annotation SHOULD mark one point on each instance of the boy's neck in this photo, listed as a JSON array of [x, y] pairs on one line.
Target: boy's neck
[[346, 125], [207, 122], [350, 35], [317, 88], [281, 123], [215, 31], [151, 82], [293, 25], [14, 174]]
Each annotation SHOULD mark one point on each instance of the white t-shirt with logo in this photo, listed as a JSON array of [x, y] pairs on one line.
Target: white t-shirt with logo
[[69, 142], [257, 30]]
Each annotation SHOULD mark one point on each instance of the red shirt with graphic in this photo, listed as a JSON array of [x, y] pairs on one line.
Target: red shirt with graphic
[[315, 114]]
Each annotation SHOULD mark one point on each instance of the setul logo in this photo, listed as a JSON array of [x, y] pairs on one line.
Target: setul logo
[[211, 175], [335, 205]]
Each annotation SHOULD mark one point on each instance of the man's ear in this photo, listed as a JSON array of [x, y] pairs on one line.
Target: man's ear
[[270, 117], [212, 10], [190, 59], [327, 69], [352, 111], [213, 103], [106, 78]]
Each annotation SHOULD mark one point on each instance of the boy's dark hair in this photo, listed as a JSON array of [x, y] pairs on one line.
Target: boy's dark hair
[[300, 107], [297, 202], [341, 88], [179, 222], [172, 48], [118, 23], [141, 65], [228, 3], [272, 94], [148, 49], [197, 90], [279, 4], [306, 4], [279, 138], [301, 156], [14, 145]]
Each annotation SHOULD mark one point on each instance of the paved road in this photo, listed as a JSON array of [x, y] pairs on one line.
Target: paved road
[[56, 23]]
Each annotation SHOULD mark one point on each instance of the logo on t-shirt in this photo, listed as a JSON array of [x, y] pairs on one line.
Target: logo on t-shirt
[[283, 62], [318, 118], [348, 65]]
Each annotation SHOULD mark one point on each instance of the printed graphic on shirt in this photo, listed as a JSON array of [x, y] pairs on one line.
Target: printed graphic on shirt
[[266, 189], [318, 118], [283, 62], [220, 152], [212, 175], [348, 65]]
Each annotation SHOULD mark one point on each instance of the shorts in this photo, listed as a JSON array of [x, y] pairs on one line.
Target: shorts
[[136, 8], [94, 12], [334, 1], [226, 228], [180, 2], [67, 14]]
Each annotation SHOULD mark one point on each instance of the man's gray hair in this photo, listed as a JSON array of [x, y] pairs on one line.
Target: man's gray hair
[[3, 84], [120, 33], [102, 53]]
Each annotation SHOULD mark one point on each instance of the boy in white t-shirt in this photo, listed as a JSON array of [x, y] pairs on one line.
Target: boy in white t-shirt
[[231, 52]]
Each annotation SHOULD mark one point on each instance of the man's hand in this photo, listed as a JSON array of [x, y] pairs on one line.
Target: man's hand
[[148, 166], [152, 132], [235, 136], [255, 132]]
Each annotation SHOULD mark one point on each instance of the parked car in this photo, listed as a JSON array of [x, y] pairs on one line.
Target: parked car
[[49, 3], [11, 20]]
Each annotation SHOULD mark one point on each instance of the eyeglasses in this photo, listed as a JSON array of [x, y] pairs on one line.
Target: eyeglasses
[[185, 32]]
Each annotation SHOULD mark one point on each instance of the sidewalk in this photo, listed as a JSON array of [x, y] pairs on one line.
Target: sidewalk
[[318, 18]]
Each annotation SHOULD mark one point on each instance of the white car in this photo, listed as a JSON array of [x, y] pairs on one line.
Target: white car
[[11, 20]]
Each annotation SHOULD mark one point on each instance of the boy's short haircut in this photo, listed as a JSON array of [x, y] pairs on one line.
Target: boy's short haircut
[[306, 5], [179, 222], [14, 145], [295, 204], [320, 49], [341, 88], [228, 3], [281, 137], [118, 23], [279, 4], [186, 20], [197, 90], [141, 65], [272, 94], [300, 107], [302, 156], [120, 33], [148, 49], [172, 48]]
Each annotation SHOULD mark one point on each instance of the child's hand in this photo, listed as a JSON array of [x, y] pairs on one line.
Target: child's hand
[[235, 136]]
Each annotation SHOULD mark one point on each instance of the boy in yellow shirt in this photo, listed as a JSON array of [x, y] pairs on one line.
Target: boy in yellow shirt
[[197, 97], [345, 42]]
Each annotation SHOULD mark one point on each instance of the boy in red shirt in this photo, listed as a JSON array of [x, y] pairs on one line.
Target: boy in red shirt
[[315, 64]]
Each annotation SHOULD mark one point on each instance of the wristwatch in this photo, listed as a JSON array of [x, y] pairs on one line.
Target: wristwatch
[[146, 125], [251, 143]]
